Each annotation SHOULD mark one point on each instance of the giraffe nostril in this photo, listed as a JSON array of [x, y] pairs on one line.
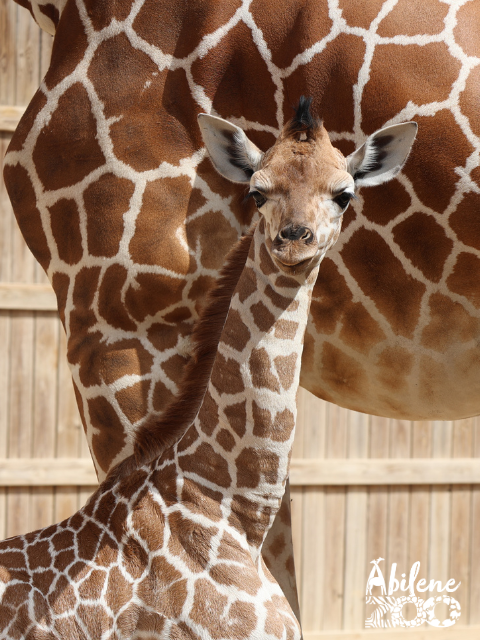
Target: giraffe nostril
[[295, 232]]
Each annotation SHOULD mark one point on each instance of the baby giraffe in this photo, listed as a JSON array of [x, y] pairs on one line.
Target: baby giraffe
[[169, 546]]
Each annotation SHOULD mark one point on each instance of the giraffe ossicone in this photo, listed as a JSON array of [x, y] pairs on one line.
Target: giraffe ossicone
[[170, 544]]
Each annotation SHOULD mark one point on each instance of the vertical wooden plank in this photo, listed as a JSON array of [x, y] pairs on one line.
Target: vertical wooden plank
[[46, 42], [69, 433], [377, 508], [6, 219], [475, 536], [460, 539], [313, 412], [336, 447], [45, 410], [297, 493], [440, 508], [27, 57], [8, 14], [419, 529], [398, 504], [22, 270], [355, 576]]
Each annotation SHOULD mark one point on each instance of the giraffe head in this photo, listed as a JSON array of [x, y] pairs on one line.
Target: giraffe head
[[303, 185]]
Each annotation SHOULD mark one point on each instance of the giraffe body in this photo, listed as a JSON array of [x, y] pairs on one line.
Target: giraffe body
[[170, 544], [117, 202]]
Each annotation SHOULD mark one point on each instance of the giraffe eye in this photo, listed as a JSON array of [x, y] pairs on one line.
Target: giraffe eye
[[259, 198], [343, 199]]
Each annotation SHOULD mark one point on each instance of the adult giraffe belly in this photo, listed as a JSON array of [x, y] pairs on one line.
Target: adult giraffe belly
[[382, 341]]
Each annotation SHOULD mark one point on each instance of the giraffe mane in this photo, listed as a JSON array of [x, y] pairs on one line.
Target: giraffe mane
[[159, 433], [303, 121]]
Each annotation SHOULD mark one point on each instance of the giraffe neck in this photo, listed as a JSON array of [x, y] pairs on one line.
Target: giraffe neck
[[246, 423]]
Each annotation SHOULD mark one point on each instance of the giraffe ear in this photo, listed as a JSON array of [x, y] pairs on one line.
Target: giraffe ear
[[233, 155], [382, 155]]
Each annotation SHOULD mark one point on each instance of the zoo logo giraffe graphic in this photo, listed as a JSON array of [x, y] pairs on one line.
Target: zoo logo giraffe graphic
[[387, 605]]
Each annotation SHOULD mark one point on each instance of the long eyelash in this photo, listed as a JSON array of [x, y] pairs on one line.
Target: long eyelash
[[248, 196]]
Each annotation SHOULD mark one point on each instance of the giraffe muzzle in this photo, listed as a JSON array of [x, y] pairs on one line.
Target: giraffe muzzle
[[294, 246]]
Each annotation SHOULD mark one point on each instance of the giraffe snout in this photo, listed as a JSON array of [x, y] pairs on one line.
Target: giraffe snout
[[294, 244], [295, 232]]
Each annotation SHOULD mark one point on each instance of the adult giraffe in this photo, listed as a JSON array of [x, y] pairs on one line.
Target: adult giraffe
[[119, 205]]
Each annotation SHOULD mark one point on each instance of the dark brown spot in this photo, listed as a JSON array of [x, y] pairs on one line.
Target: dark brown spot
[[408, 20], [247, 284], [262, 317], [106, 201], [232, 86], [159, 237], [226, 375], [230, 576], [425, 243], [109, 440], [281, 302], [248, 517], [133, 401], [286, 329], [343, 373], [329, 77], [152, 294], [382, 277], [464, 278], [256, 465], [465, 220], [67, 149], [285, 367], [450, 324], [182, 29], [235, 333], [110, 304], [162, 396], [266, 262], [385, 202], [65, 222], [261, 370], [69, 44], [208, 414], [190, 541], [236, 415], [393, 368], [225, 439], [202, 500], [440, 147], [465, 32], [119, 591], [61, 285], [208, 464], [359, 330], [24, 203]]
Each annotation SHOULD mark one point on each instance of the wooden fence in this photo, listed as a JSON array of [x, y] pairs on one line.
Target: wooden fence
[[363, 487]]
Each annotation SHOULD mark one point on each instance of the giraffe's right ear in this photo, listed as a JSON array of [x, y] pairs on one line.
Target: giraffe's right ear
[[382, 155], [233, 155]]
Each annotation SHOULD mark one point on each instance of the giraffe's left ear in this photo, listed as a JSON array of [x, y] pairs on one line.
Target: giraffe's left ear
[[233, 155], [382, 155]]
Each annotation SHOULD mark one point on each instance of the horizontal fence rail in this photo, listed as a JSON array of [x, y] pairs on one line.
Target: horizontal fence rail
[[10, 117], [385, 471], [16, 296], [456, 632], [16, 472]]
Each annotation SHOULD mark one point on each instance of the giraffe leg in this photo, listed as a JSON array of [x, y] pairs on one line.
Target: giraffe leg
[[278, 552]]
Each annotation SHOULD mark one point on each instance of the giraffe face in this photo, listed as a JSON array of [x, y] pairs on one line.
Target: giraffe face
[[302, 185], [302, 189]]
